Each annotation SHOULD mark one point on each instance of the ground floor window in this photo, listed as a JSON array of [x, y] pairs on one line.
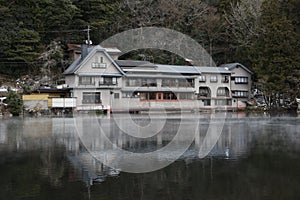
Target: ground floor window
[[116, 95], [130, 94], [206, 102], [159, 96], [91, 97], [186, 96], [169, 96], [223, 102], [166, 96]]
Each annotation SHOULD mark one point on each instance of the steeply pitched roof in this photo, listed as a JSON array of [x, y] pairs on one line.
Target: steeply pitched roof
[[76, 65], [231, 66]]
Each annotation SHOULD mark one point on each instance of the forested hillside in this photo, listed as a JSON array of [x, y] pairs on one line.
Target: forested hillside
[[263, 35]]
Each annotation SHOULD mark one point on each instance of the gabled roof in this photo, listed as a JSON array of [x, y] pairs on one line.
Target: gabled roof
[[231, 66], [79, 62]]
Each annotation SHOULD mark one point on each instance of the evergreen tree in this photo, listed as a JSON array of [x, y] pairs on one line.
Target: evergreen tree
[[57, 17], [99, 14], [14, 103], [276, 52]]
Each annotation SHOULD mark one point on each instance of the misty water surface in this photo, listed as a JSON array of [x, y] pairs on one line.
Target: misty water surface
[[255, 157]]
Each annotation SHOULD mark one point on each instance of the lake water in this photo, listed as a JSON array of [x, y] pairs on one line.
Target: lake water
[[150, 157]]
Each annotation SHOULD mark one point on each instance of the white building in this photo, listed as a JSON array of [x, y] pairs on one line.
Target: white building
[[100, 82]]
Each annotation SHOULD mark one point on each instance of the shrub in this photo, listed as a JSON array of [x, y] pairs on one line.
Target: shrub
[[14, 103]]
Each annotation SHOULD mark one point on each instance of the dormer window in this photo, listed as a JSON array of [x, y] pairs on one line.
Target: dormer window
[[99, 62]]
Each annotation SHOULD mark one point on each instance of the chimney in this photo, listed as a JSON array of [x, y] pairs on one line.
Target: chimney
[[84, 51]]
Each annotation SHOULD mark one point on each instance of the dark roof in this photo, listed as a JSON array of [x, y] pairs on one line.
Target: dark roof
[[74, 47], [138, 66], [178, 69], [234, 65], [134, 63]]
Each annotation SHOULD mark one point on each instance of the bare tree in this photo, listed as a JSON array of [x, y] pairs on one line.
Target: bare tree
[[173, 14], [209, 29], [52, 60], [243, 21]]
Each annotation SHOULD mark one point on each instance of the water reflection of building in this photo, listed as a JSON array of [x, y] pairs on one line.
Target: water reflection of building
[[233, 142], [73, 134]]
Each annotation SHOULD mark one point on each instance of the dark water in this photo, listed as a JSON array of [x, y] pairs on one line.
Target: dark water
[[255, 157]]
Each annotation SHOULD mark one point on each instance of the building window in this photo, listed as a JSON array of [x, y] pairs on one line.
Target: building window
[[143, 96], [91, 98], [130, 94], [86, 80], [186, 96], [169, 96], [116, 95], [206, 102], [241, 80], [133, 82], [178, 83], [106, 80], [186, 83], [202, 79], [223, 102], [98, 63], [204, 92], [169, 83], [225, 79], [240, 93], [223, 91], [149, 82], [213, 79], [141, 82], [190, 82]]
